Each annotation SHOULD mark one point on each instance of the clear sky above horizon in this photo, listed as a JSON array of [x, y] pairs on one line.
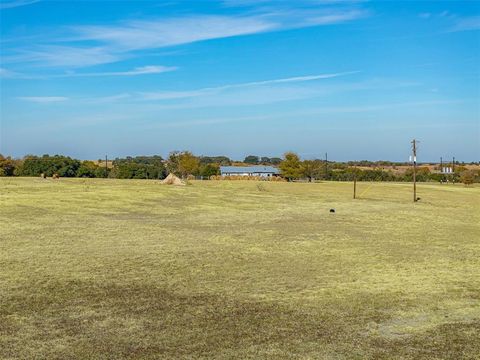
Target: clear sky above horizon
[[357, 79]]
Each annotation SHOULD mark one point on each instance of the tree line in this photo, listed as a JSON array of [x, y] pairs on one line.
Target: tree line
[[185, 164], [293, 168]]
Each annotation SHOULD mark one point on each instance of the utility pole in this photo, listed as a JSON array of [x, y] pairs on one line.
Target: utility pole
[[355, 182], [453, 165], [414, 150], [441, 164], [326, 166], [106, 166]]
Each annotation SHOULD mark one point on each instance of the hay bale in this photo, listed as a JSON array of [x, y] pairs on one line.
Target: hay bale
[[172, 179]]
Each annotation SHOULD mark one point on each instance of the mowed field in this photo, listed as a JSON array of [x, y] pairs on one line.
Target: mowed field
[[113, 269]]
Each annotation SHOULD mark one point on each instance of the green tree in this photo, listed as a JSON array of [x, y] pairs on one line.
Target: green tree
[[140, 167], [7, 166], [275, 161], [173, 162], [101, 172], [252, 159], [208, 170], [291, 166], [87, 169], [188, 164], [219, 160], [312, 169], [49, 165], [423, 174], [183, 163]]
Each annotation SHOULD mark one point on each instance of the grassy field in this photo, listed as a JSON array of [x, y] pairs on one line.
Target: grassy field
[[111, 269]]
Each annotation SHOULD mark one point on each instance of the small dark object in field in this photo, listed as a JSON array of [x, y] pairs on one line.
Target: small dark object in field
[[418, 199], [332, 210]]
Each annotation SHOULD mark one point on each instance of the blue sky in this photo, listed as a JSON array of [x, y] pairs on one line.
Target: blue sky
[[356, 79]]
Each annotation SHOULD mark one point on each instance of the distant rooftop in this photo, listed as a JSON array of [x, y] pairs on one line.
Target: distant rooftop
[[249, 169]]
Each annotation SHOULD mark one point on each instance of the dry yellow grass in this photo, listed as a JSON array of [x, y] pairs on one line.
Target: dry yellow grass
[[110, 269]]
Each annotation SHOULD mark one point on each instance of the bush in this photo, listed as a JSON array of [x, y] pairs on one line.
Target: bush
[[467, 177], [209, 170], [87, 169], [7, 166]]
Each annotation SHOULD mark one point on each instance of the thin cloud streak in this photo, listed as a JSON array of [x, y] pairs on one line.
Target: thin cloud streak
[[136, 35], [43, 99], [307, 113], [169, 95], [64, 56], [143, 70], [16, 3], [7, 74]]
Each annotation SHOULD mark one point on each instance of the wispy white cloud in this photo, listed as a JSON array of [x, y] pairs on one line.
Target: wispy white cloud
[[168, 95], [332, 18], [306, 113], [457, 22], [112, 43], [4, 73], [466, 23], [134, 35], [8, 4], [43, 99], [109, 99], [425, 15], [242, 3], [67, 56], [231, 95], [142, 70]]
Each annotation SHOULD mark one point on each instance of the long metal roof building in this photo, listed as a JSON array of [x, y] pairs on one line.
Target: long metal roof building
[[249, 170]]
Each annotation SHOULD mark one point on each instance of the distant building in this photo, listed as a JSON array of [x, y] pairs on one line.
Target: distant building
[[262, 171]]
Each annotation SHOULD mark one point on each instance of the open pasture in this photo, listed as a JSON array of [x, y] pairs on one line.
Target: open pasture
[[111, 269]]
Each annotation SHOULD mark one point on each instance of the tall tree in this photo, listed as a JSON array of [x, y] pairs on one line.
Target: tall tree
[[312, 169], [183, 163], [291, 166]]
